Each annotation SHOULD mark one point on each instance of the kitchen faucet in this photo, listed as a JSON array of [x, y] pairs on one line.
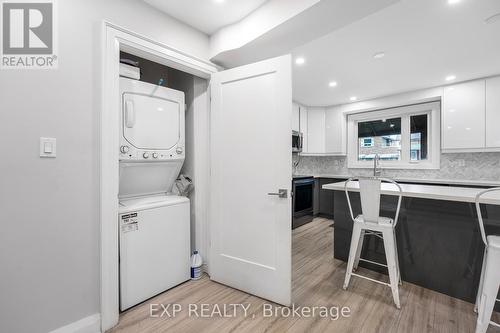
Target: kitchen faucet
[[376, 166]]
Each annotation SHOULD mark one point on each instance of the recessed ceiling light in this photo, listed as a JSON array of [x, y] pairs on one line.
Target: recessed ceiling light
[[450, 78], [453, 2], [379, 55], [300, 61], [353, 98], [332, 84]]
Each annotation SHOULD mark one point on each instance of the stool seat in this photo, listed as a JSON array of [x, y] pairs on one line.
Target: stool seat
[[381, 221]]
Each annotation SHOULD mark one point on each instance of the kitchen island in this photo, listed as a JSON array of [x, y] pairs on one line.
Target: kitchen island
[[438, 239]]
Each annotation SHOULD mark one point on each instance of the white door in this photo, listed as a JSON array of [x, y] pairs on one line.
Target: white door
[[251, 156]]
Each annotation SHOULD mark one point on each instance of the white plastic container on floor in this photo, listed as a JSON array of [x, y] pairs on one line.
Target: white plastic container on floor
[[196, 263]]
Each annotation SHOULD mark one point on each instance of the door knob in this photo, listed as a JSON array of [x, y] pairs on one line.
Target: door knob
[[282, 193]]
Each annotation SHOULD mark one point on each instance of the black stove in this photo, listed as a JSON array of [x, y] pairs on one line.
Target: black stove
[[303, 193]]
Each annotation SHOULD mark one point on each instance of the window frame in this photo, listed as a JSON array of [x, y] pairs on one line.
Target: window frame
[[433, 112]]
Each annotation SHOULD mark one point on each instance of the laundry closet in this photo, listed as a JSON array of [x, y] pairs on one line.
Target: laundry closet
[[160, 168]]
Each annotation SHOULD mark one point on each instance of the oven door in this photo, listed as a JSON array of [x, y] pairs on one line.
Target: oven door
[[303, 191]]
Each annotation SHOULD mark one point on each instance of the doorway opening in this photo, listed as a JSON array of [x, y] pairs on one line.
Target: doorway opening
[[184, 73]]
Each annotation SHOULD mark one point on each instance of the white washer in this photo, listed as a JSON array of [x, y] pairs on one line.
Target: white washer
[[154, 246]]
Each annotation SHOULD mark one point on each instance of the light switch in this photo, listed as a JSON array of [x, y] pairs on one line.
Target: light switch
[[47, 147]]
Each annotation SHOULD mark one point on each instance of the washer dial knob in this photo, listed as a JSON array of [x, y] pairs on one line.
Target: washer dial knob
[[145, 155], [124, 149], [179, 150], [155, 155]]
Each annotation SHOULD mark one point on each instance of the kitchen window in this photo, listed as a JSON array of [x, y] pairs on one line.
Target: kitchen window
[[405, 137]]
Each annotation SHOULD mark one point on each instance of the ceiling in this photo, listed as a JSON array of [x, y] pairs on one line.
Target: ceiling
[[320, 18], [207, 16], [424, 41]]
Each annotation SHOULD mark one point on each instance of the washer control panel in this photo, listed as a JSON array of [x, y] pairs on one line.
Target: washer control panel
[[128, 152]]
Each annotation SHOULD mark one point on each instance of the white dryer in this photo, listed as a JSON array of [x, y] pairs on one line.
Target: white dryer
[[152, 122], [154, 224]]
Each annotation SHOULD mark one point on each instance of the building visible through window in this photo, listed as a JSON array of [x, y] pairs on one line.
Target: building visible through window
[[382, 137]]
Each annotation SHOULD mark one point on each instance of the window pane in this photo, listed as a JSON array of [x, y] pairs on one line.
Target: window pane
[[419, 137], [382, 137]]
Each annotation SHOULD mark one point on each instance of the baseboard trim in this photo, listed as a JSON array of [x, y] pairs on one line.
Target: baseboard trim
[[205, 269], [90, 324]]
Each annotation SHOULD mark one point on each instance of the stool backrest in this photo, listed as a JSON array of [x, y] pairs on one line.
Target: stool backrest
[[369, 190], [480, 215], [370, 193]]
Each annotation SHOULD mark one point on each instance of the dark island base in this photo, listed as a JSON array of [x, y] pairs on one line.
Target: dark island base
[[439, 243]]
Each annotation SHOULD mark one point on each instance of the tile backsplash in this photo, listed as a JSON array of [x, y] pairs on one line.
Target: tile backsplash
[[463, 166]]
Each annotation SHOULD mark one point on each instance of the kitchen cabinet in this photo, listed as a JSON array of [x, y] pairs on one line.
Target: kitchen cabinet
[[463, 125], [324, 131], [316, 197], [303, 126], [315, 130], [335, 132], [326, 197], [295, 117], [492, 112]]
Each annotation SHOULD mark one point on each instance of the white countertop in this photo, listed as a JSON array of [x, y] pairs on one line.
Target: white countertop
[[428, 181], [462, 194]]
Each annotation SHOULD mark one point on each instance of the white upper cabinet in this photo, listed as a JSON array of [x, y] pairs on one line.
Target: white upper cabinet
[[335, 131], [315, 131], [323, 130], [303, 127], [463, 126], [295, 117], [493, 112]]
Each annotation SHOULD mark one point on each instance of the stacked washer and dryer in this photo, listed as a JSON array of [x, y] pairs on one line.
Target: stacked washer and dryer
[[154, 224]]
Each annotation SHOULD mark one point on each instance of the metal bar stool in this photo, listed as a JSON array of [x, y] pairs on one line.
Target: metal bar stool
[[490, 272], [371, 223]]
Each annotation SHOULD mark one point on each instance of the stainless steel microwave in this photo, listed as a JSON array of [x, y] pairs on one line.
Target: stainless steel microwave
[[296, 142]]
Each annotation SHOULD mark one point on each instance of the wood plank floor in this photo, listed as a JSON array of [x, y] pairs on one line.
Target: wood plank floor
[[317, 281]]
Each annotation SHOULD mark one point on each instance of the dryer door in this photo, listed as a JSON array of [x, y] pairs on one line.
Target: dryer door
[[151, 123]]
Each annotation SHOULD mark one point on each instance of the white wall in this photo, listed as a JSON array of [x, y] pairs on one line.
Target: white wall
[[196, 164], [49, 243]]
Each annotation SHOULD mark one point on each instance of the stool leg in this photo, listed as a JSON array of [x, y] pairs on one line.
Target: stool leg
[[489, 291], [358, 251], [389, 247], [480, 289], [397, 258], [356, 233]]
